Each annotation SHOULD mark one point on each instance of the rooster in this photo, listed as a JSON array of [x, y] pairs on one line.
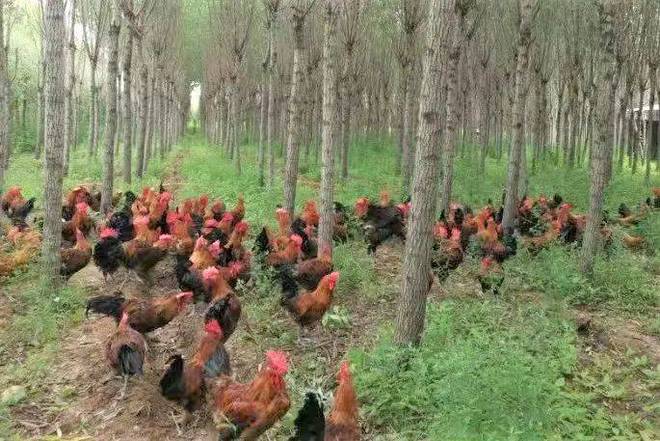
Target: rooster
[[246, 411], [76, 258], [122, 219], [141, 256], [310, 214], [108, 252], [74, 197], [380, 222], [287, 256], [186, 383], [16, 207], [125, 350], [308, 307], [342, 422], [309, 273], [79, 221], [143, 315], [227, 311]]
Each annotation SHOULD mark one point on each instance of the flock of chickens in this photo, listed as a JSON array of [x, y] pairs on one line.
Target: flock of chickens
[[208, 244]]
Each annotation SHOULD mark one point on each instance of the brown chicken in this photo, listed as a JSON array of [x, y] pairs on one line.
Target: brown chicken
[[246, 411], [289, 255], [145, 315], [310, 214], [309, 307], [76, 258], [239, 210], [125, 349], [141, 256], [15, 206], [186, 383], [309, 273], [633, 242], [80, 221]]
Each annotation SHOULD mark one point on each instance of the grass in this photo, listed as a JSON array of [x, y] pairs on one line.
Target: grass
[[503, 368]]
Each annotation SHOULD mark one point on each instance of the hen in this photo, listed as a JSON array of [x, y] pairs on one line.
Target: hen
[[125, 349], [76, 258], [309, 307], [16, 207]]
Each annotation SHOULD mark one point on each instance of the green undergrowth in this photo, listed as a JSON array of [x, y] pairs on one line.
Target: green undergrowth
[[495, 370]]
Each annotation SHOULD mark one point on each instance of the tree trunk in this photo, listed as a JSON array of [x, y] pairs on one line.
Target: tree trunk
[[604, 109], [346, 95], [68, 105], [262, 123], [416, 270], [329, 107], [149, 143], [111, 113], [649, 137], [128, 109], [93, 111], [270, 123], [511, 200], [295, 111], [55, 90], [144, 113], [4, 101]]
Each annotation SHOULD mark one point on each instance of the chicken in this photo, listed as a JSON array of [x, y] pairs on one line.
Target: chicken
[[633, 242], [125, 349], [536, 244], [141, 257], [144, 315], [287, 256], [202, 257], [309, 307], [309, 273], [217, 210], [380, 222], [186, 383], [246, 411], [15, 206], [491, 275], [80, 221], [76, 258], [239, 211], [227, 311], [122, 220], [76, 196], [342, 422], [108, 252], [310, 214], [447, 253]]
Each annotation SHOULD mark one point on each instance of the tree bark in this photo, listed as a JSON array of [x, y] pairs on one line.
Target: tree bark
[[111, 113], [54, 89], [416, 270], [144, 112], [346, 94], [262, 122], [270, 123], [604, 110], [128, 107], [68, 106], [93, 111], [511, 201], [4, 101], [295, 112], [649, 136], [329, 107]]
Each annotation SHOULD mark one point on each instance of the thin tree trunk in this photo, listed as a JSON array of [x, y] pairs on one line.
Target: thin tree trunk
[[5, 121], [55, 90], [604, 109], [511, 200], [416, 270], [329, 107], [93, 111], [346, 94], [262, 123], [144, 113], [270, 124], [649, 136], [68, 105], [111, 114], [295, 111]]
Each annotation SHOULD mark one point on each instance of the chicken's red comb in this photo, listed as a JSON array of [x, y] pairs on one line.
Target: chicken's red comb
[[297, 240], [213, 327], [82, 206], [228, 217], [187, 295], [141, 220], [215, 248], [344, 372], [241, 227], [455, 234], [486, 262], [277, 362], [165, 237], [211, 223], [172, 217], [210, 273], [201, 243], [109, 232]]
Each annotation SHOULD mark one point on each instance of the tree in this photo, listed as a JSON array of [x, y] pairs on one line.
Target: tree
[[328, 122], [111, 112], [607, 85], [527, 12], [301, 9], [71, 82], [5, 114], [416, 270], [94, 19], [54, 89], [272, 7]]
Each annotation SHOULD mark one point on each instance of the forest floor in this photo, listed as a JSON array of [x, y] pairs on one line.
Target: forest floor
[[486, 369]]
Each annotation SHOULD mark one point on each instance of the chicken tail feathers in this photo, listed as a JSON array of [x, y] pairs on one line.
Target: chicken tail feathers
[[130, 361], [310, 422], [107, 305], [171, 385], [261, 244], [289, 284]]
